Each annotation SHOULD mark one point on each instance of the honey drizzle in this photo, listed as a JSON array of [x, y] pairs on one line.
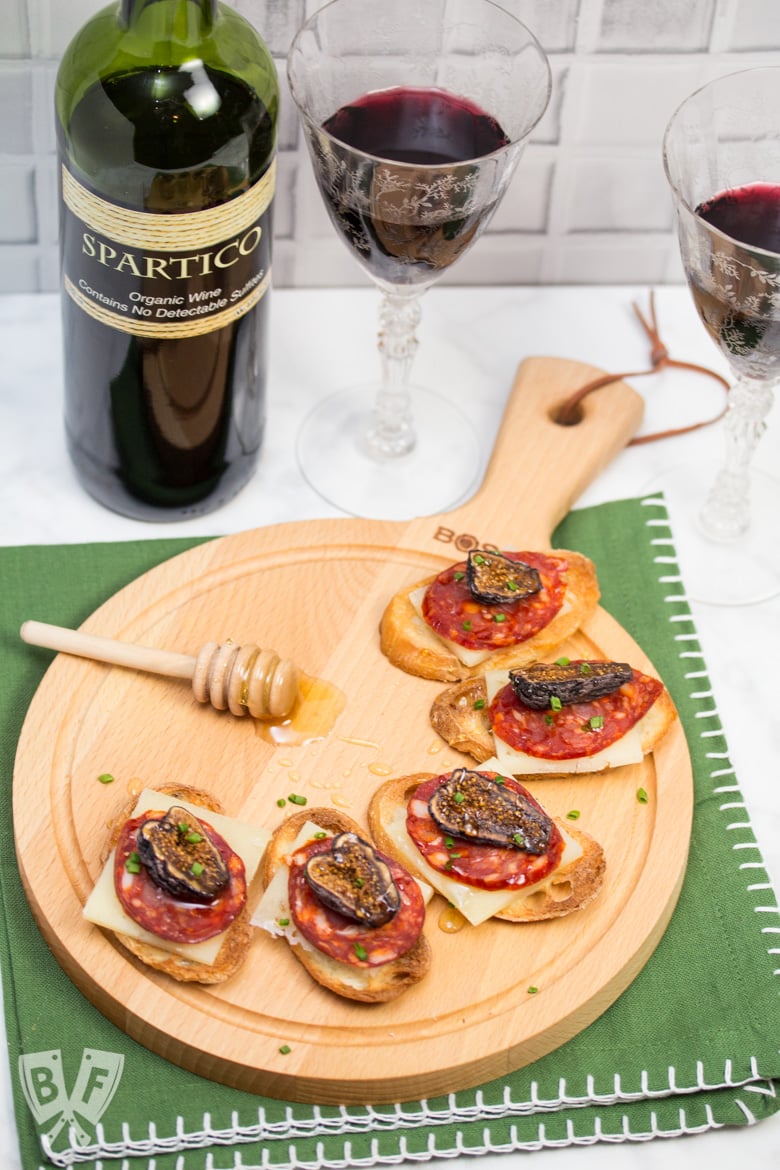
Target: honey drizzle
[[451, 920], [315, 713]]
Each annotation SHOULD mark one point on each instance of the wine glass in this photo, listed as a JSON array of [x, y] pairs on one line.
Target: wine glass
[[721, 154], [415, 114]]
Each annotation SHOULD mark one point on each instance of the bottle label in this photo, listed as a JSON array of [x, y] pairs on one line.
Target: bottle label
[[166, 275]]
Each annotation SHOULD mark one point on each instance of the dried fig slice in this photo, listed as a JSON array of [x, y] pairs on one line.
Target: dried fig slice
[[475, 806], [180, 857], [576, 681], [352, 878], [494, 578]]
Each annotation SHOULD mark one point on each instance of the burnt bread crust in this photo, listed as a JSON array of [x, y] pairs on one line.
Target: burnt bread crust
[[409, 643], [363, 984]]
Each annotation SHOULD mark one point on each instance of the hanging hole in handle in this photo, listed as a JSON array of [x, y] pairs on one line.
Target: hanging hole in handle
[[567, 414]]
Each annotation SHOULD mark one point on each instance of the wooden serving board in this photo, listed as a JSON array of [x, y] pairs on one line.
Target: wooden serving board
[[315, 592]]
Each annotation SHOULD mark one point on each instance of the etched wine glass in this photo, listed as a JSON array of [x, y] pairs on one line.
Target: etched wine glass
[[721, 153], [415, 115]]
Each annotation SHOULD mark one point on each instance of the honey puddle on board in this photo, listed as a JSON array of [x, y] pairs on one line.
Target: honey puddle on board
[[451, 920], [315, 713]]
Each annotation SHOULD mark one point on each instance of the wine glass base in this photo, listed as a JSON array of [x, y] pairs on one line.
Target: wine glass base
[[441, 471], [744, 571]]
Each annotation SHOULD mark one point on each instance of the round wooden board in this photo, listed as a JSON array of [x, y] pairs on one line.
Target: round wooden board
[[315, 591]]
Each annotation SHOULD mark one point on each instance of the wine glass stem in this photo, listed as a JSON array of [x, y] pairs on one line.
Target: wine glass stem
[[391, 430], [726, 512]]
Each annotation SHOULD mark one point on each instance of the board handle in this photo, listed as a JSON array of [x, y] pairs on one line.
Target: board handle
[[539, 468]]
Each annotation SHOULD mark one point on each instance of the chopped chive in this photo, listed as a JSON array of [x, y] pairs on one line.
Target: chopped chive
[[285, 1049], [281, 802], [564, 661], [478, 560], [359, 883], [196, 869], [512, 586], [549, 720], [459, 798], [459, 575], [518, 839], [499, 617], [466, 625], [283, 921], [320, 835], [133, 863], [555, 703], [194, 838], [106, 778], [294, 798], [479, 704], [360, 951], [454, 856], [642, 796], [573, 814], [586, 668], [532, 990], [449, 842]]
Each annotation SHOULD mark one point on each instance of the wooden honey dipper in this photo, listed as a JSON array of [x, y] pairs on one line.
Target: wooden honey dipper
[[242, 679]]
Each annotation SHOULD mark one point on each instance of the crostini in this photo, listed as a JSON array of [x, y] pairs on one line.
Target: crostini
[[174, 884], [352, 916], [486, 845], [492, 611], [556, 719]]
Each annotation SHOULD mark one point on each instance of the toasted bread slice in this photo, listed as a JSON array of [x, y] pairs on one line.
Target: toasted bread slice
[[460, 716], [571, 887], [409, 642], [237, 936], [365, 984]]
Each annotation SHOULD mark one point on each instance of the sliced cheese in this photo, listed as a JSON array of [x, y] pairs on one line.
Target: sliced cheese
[[626, 750], [475, 905], [103, 908], [272, 912]]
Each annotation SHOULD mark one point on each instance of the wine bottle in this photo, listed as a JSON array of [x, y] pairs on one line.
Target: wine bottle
[[166, 116]]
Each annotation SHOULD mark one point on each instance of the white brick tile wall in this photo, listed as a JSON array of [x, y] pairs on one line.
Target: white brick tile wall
[[589, 202]]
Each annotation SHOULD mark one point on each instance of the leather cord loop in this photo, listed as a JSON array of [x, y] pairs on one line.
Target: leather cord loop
[[568, 414]]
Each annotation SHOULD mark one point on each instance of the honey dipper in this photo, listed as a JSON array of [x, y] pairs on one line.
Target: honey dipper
[[242, 679]]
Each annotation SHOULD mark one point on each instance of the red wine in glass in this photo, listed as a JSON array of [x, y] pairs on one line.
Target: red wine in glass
[[408, 223], [749, 336]]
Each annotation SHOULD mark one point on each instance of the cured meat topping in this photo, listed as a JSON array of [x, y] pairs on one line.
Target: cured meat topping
[[178, 919], [577, 729], [480, 864], [474, 806], [452, 611], [342, 937], [567, 681], [352, 878]]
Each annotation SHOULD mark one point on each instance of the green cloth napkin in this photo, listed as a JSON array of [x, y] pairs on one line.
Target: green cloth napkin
[[691, 1045]]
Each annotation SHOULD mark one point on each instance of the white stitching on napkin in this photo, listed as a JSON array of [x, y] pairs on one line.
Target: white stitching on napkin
[[394, 1118], [474, 1107]]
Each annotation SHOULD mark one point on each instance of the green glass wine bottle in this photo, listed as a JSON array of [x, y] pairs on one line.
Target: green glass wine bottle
[[166, 117]]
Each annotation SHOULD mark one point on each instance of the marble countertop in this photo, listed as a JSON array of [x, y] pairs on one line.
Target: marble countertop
[[471, 341]]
